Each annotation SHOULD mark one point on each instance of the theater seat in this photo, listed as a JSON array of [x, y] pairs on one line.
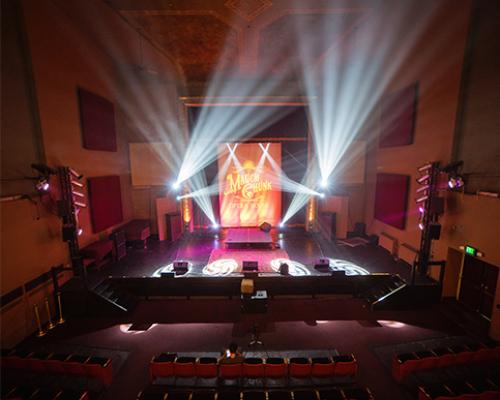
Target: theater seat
[[305, 394], [275, 367], [37, 361], [322, 366], [345, 365], [162, 365], [75, 364], [299, 367], [254, 395], [403, 365], [228, 395], [206, 367], [434, 392], [279, 394], [445, 357], [184, 366], [55, 363], [203, 395], [230, 371], [357, 393], [100, 368], [426, 360], [330, 394], [253, 367]]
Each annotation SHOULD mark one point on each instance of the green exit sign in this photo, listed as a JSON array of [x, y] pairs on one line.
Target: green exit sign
[[470, 251]]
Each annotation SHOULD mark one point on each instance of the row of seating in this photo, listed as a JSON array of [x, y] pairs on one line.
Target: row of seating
[[100, 368], [43, 393], [481, 388], [166, 365], [405, 364], [345, 393]]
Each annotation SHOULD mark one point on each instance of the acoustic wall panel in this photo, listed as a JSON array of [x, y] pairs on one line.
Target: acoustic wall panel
[[397, 118], [391, 199], [105, 202], [98, 121]]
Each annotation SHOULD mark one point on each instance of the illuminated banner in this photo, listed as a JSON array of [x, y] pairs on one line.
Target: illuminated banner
[[249, 186]]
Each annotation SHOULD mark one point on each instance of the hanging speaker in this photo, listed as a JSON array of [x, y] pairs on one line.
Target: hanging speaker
[[434, 231]]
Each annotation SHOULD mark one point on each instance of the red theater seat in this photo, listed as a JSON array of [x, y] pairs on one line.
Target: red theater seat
[[357, 393], [100, 368], [299, 367], [17, 359], [37, 361], [445, 357], [345, 365], [75, 364], [306, 394], [331, 394], [403, 365], [279, 394], [230, 371], [254, 395], [275, 367], [427, 360], [206, 367], [462, 353], [162, 366], [322, 366], [184, 366], [56, 363], [253, 367]]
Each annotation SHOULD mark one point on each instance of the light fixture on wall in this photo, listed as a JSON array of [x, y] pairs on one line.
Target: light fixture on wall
[[455, 178]]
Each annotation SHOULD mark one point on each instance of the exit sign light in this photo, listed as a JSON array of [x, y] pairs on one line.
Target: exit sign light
[[470, 251]]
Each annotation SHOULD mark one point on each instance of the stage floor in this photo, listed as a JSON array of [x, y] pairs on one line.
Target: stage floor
[[207, 256]]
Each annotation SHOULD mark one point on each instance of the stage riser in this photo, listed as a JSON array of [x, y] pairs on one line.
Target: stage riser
[[231, 286]]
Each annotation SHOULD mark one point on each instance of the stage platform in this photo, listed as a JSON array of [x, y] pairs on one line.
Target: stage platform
[[248, 238]]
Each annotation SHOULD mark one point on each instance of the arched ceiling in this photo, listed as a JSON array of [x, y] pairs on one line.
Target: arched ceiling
[[244, 37]]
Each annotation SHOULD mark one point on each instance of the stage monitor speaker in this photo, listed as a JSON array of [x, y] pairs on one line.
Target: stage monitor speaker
[[322, 265], [181, 266], [265, 227], [436, 205], [250, 266], [434, 231], [338, 273], [167, 274], [284, 269], [360, 228]]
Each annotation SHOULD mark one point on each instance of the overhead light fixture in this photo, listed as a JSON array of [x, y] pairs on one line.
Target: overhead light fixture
[[42, 185], [455, 182], [425, 167], [423, 188], [176, 185], [421, 199], [423, 180]]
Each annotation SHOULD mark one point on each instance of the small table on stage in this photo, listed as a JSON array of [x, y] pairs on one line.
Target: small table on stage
[[256, 303]]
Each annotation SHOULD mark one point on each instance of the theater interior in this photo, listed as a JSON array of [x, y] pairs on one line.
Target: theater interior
[[316, 181]]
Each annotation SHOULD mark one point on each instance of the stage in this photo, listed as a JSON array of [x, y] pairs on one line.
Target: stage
[[202, 250]]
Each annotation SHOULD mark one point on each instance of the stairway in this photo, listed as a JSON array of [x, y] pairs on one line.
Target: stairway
[[395, 294], [122, 301]]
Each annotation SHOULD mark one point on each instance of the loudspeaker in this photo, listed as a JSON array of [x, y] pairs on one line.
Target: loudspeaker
[[434, 231], [167, 274], [373, 240], [436, 205], [284, 269], [249, 266], [322, 265], [181, 266], [360, 228], [68, 233], [265, 227]]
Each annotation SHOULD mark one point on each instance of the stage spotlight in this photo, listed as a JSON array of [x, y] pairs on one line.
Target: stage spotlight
[[215, 226], [281, 224], [455, 182], [75, 174], [421, 199], [421, 210], [423, 188], [176, 185], [421, 226], [425, 168], [42, 185], [423, 180], [322, 195], [323, 183], [178, 198], [80, 231]]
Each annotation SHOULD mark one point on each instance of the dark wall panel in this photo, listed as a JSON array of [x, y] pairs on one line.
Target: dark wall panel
[[391, 199], [105, 202], [397, 118], [98, 122]]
